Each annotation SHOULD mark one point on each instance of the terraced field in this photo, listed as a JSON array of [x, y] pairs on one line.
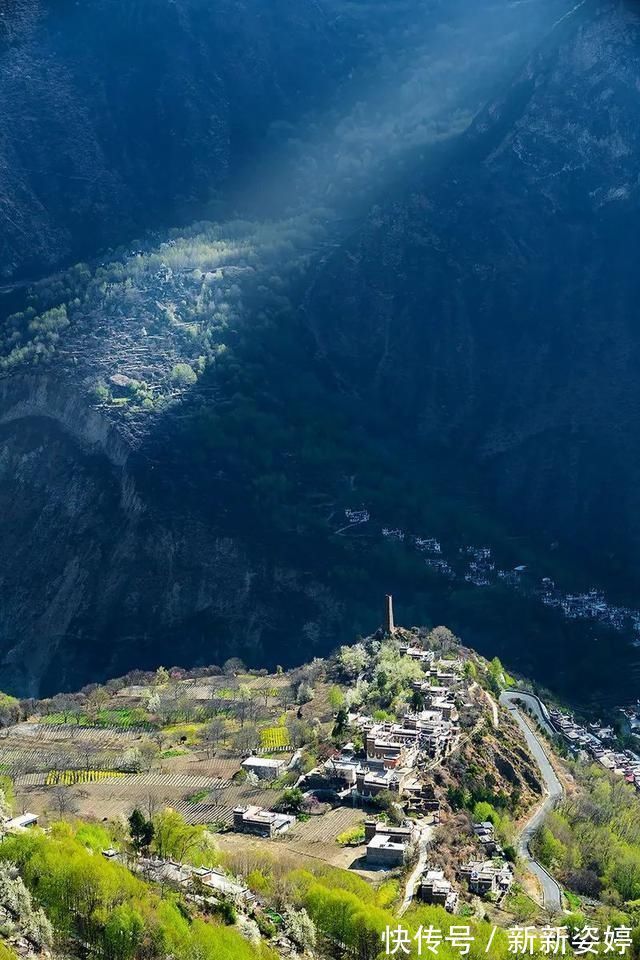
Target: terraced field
[[223, 767], [71, 778], [275, 738], [31, 735], [82, 767], [114, 795], [236, 795], [29, 747], [325, 829], [122, 718]]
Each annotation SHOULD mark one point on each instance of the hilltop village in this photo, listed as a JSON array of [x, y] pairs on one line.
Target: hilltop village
[[356, 761], [394, 762]]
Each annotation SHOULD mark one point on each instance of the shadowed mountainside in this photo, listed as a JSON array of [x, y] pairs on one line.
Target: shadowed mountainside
[[121, 117], [492, 306], [434, 318]]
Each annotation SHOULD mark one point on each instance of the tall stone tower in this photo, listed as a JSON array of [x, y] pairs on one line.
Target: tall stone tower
[[389, 625]]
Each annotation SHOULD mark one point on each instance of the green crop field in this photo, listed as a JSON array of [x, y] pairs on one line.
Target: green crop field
[[124, 718], [274, 738], [69, 778]]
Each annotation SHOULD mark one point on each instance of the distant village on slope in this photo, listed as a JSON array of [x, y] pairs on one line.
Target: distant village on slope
[[476, 566]]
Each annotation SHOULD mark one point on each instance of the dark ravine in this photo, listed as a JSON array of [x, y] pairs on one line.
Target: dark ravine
[[113, 582]]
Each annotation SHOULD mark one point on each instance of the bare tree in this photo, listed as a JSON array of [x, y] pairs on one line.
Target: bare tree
[[242, 704], [286, 696], [96, 701], [216, 794], [265, 691], [246, 739], [148, 751], [299, 732], [64, 801], [214, 733], [232, 666], [66, 705], [21, 801]]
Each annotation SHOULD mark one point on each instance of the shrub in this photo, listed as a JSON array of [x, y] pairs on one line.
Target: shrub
[[291, 800], [352, 837], [183, 375]]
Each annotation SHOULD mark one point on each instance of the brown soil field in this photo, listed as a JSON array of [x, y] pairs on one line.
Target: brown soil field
[[314, 838]]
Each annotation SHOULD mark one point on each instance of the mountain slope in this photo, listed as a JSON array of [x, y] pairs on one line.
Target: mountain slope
[[414, 320], [493, 307], [120, 117]]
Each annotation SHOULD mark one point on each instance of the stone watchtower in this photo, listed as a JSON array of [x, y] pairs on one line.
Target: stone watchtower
[[389, 625]]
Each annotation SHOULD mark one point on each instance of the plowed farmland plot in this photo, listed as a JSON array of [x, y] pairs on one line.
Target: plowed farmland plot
[[28, 748], [30, 736], [223, 767], [114, 796], [314, 838]]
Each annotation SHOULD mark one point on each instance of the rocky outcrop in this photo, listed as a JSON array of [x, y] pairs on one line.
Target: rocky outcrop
[[101, 571]]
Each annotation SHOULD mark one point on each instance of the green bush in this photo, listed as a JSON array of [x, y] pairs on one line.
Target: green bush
[[184, 375]]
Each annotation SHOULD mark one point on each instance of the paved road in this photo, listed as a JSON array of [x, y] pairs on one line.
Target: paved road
[[536, 706], [551, 892]]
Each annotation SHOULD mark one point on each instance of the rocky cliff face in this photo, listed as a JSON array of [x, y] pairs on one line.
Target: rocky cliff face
[[106, 568]]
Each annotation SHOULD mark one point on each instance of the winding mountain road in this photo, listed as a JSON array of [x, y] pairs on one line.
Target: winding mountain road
[[551, 891]]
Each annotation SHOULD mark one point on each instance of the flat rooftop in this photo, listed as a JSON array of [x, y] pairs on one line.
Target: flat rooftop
[[266, 762], [382, 842]]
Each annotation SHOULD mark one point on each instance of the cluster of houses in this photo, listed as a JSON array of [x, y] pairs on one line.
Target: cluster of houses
[[481, 571], [185, 875], [430, 732], [599, 742], [591, 605], [257, 820], [481, 567], [387, 765], [486, 834], [394, 751], [389, 761], [489, 877], [392, 757]]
